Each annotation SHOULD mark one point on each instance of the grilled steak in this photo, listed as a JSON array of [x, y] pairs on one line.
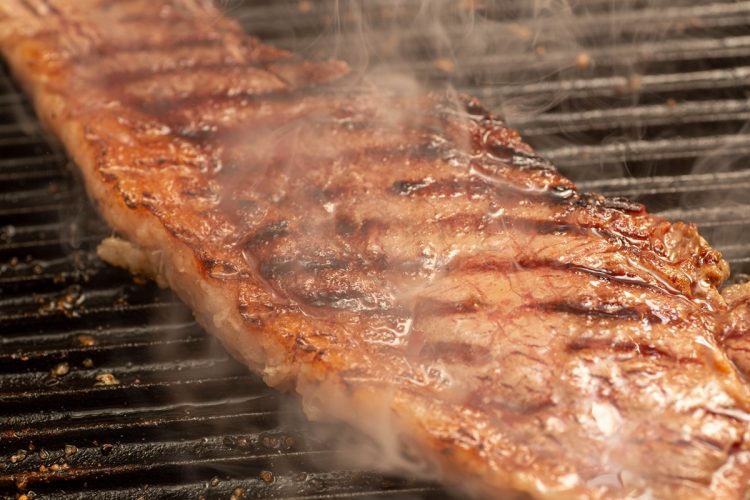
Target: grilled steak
[[405, 263]]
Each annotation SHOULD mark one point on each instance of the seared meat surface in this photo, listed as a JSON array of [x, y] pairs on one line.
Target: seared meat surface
[[404, 262]]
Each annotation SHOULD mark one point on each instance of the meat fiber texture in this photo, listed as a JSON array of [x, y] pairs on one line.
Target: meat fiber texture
[[405, 263]]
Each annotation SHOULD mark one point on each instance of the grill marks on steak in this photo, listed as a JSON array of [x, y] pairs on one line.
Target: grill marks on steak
[[399, 252]]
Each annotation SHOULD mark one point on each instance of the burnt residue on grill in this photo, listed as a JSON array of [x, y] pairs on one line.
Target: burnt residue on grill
[[108, 389]]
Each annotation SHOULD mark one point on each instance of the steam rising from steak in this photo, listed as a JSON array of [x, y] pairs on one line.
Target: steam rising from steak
[[404, 257]]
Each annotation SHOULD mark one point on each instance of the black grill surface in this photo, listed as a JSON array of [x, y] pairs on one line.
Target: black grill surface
[[108, 388]]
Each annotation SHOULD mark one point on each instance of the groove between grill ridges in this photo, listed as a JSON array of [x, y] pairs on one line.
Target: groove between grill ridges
[[660, 149], [82, 364], [11, 97], [227, 488], [307, 483], [235, 402], [52, 275], [739, 249], [55, 226], [62, 353], [27, 175], [97, 296], [225, 422], [17, 128], [163, 455], [89, 340], [61, 244], [671, 114], [51, 208], [43, 280], [66, 193], [677, 192], [656, 52], [29, 233], [198, 364], [73, 396], [736, 77], [261, 414], [669, 50], [47, 158], [30, 317], [46, 310], [254, 15], [24, 140], [708, 180], [710, 215]]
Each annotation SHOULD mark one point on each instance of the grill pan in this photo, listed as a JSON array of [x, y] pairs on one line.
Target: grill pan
[[108, 388]]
